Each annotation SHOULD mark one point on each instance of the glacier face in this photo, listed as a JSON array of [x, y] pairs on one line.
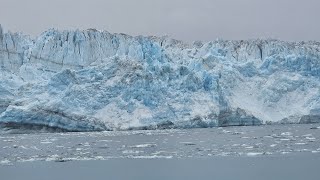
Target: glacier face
[[94, 80]]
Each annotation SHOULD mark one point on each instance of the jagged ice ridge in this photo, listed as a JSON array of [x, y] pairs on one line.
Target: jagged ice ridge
[[93, 80]]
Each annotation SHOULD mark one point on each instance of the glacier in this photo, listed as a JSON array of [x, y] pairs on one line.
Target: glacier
[[91, 80]]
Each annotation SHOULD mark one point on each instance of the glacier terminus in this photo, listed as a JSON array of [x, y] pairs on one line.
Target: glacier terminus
[[90, 80]]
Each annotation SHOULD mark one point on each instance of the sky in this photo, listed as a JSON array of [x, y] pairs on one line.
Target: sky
[[188, 20]]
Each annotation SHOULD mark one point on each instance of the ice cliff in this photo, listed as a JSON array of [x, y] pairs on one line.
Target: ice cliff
[[94, 80]]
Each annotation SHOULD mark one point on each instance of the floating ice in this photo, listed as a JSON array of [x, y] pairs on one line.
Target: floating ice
[[254, 153], [144, 145]]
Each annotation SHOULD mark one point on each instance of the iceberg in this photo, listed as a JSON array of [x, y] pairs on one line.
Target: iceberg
[[91, 80]]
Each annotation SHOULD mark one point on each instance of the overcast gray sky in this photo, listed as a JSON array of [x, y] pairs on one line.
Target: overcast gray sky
[[181, 19]]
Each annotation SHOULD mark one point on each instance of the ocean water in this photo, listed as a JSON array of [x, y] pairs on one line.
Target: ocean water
[[247, 141], [297, 167], [254, 152]]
